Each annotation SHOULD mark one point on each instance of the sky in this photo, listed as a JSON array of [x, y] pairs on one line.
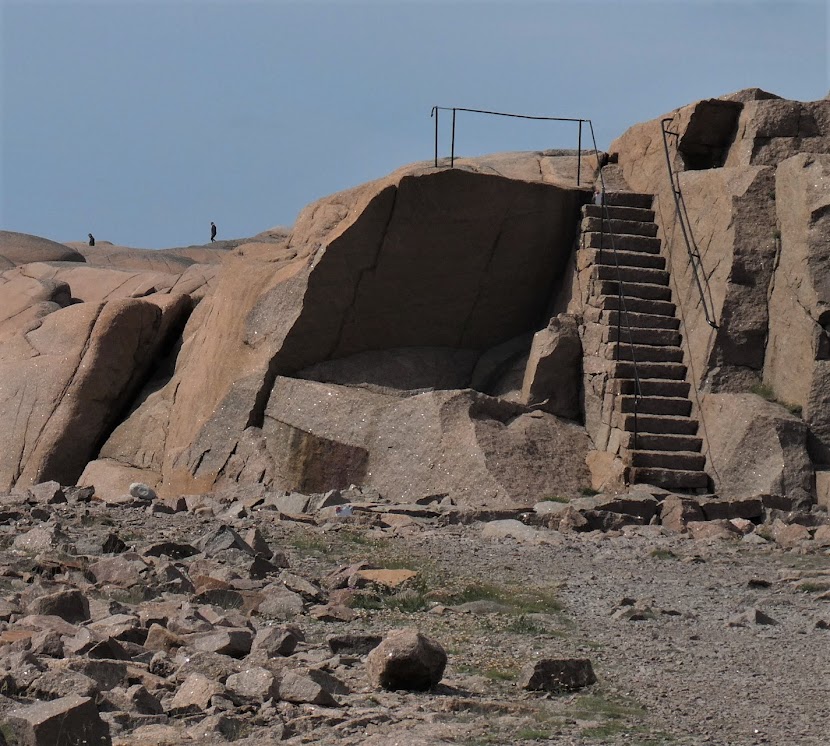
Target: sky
[[142, 122]]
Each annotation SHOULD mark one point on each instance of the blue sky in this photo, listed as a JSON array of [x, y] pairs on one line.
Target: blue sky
[[143, 121]]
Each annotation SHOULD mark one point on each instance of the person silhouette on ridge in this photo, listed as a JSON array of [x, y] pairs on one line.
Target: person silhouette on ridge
[[212, 231], [91, 239]]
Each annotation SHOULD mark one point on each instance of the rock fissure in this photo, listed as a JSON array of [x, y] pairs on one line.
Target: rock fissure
[[364, 273]]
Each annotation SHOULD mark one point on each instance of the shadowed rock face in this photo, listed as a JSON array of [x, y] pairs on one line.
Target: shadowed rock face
[[448, 259]]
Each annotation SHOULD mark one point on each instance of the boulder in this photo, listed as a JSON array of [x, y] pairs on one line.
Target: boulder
[[295, 687], [476, 448], [677, 512], [554, 368], [235, 642], [50, 493], [557, 675], [406, 659], [276, 641], [747, 507], [713, 529], [196, 692], [67, 721], [70, 605], [256, 684], [755, 447]]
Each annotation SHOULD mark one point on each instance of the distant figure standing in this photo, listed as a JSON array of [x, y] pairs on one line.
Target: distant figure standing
[[212, 231], [91, 239], [599, 196]]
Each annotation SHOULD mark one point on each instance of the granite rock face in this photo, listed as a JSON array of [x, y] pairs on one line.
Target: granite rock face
[[448, 262], [79, 337], [405, 335], [752, 170]]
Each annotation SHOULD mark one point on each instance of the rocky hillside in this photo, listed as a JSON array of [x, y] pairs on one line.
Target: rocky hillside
[[462, 457], [387, 339]]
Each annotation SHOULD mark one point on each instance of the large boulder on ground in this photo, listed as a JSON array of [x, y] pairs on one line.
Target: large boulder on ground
[[406, 659], [755, 447], [476, 448]]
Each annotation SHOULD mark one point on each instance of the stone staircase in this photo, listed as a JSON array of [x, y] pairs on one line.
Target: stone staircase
[[654, 434]]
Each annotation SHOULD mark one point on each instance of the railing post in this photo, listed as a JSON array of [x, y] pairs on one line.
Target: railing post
[[452, 149], [579, 153], [435, 112]]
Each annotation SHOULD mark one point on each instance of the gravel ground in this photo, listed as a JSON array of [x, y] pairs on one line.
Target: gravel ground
[[681, 675], [722, 641]]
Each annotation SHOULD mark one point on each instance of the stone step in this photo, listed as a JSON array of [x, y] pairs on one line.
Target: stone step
[[639, 320], [672, 371], [634, 305], [640, 335], [621, 258], [629, 199], [645, 290], [637, 275], [670, 479], [594, 240], [643, 353], [655, 423], [670, 405], [662, 442], [651, 387], [616, 226], [637, 214], [680, 460]]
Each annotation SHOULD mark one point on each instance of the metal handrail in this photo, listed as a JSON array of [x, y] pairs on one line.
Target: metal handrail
[[695, 260], [454, 109]]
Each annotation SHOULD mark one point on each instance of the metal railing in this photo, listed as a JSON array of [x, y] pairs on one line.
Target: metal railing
[[455, 109], [695, 260]]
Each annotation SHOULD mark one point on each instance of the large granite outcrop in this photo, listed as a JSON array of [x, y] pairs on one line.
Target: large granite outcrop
[[387, 339], [426, 258], [750, 167], [21, 248], [67, 379], [77, 343]]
